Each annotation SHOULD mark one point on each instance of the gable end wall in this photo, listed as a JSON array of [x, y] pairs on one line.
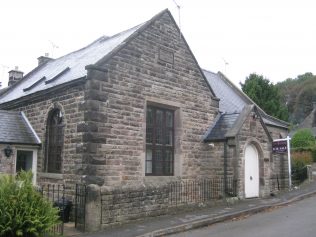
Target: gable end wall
[[137, 76]]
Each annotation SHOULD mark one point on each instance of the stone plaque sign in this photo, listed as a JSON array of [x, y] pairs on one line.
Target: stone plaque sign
[[166, 56]]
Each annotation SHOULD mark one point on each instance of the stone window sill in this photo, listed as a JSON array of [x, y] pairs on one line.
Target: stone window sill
[[51, 175]]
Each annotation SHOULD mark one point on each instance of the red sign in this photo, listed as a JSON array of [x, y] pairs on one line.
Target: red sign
[[279, 147]]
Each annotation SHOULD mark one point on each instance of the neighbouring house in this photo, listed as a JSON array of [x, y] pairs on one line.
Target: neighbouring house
[[135, 110], [309, 122]]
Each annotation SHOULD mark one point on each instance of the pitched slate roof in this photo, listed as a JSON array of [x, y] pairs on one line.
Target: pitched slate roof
[[228, 125], [66, 68], [224, 122], [232, 99], [16, 129], [73, 65]]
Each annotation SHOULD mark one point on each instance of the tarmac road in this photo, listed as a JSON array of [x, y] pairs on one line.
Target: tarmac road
[[295, 220]]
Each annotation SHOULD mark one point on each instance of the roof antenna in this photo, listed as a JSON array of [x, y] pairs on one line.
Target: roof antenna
[[226, 64], [54, 46], [179, 11]]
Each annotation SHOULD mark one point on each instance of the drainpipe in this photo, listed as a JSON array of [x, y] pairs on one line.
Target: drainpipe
[[236, 165], [225, 168]]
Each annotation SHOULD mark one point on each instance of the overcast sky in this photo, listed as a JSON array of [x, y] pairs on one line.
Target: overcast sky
[[275, 38]]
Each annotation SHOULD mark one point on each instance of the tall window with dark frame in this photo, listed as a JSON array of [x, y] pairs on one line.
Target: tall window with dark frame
[[159, 141], [54, 142]]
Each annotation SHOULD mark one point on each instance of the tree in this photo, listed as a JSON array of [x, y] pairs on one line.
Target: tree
[[298, 94], [265, 95]]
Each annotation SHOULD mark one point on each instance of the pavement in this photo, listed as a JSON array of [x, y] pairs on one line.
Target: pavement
[[205, 216]]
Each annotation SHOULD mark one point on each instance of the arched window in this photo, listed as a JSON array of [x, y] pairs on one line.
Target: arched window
[[54, 142]]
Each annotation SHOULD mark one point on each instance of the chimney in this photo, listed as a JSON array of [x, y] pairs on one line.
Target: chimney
[[15, 76], [43, 59]]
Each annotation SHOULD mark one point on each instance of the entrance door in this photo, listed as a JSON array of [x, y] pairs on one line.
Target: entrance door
[[251, 172]]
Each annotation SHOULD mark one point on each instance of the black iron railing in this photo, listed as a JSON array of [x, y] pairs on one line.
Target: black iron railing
[[80, 206], [299, 175], [201, 190]]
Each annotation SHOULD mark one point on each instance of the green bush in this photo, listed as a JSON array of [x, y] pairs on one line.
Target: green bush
[[23, 210], [299, 170], [303, 138]]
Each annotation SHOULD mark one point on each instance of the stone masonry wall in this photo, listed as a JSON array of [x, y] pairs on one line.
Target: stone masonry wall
[[279, 161], [157, 68], [6, 163], [70, 101], [107, 206]]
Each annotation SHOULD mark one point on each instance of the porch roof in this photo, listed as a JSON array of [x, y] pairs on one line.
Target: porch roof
[[16, 129]]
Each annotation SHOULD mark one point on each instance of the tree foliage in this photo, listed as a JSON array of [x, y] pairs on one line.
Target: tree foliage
[[298, 94], [23, 210], [266, 95]]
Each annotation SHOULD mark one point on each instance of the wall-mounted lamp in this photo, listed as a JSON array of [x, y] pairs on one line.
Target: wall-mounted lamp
[[211, 145], [8, 151]]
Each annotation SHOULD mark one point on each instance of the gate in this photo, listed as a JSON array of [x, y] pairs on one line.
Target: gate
[[55, 193], [80, 206]]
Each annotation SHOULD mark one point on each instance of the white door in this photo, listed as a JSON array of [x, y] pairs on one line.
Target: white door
[[251, 172]]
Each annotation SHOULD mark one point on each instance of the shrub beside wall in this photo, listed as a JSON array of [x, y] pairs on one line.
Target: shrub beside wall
[[23, 210]]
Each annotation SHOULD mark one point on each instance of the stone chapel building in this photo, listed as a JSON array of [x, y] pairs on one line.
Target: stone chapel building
[[137, 108]]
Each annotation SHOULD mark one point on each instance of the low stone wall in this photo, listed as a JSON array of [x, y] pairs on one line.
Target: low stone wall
[[107, 206], [132, 203]]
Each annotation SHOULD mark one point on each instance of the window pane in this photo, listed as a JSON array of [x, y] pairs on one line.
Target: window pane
[[149, 135], [149, 117], [149, 168], [158, 162], [169, 162], [169, 137], [149, 126], [159, 126], [169, 119]]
